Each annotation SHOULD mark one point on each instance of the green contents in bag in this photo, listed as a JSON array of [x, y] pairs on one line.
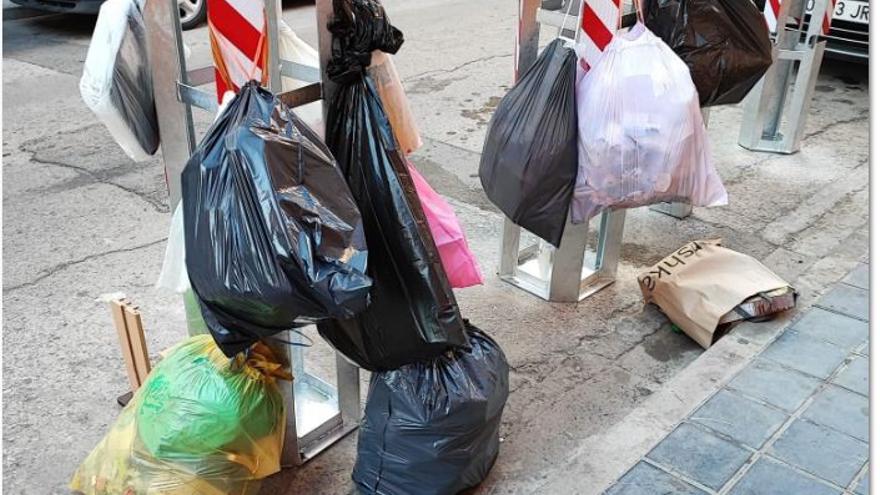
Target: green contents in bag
[[198, 403], [200, 424]]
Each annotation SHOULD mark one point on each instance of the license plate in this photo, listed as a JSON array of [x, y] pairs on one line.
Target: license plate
[[847, 10]]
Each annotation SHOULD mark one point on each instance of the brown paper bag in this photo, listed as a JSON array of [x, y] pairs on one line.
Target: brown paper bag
[[701, 282], [394, 102]]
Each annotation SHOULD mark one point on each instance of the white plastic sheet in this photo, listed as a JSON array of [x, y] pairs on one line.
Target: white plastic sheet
[[117, 82], [294, 49], [641, 138], [173, 276]]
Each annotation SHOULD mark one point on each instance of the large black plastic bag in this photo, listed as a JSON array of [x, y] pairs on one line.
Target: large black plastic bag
[[432, 427], [725, 43], [117, 83], [529, 160], [273, 236], [413, 313]]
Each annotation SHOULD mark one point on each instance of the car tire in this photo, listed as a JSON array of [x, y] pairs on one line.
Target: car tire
[[192, 13]]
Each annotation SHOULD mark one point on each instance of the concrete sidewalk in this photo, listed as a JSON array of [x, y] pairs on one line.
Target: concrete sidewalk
[[795, 420]]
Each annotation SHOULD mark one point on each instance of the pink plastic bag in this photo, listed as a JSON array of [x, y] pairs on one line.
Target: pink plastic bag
[[459, 262]]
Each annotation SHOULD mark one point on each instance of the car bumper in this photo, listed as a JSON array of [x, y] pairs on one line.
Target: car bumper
[[63, 6], [845, 40]]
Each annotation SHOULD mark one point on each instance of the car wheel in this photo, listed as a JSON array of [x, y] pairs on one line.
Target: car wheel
[[192, 12]]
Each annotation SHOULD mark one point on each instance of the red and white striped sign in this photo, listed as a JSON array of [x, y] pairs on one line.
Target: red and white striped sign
[[236, 29], [598, 23], [771, 14]]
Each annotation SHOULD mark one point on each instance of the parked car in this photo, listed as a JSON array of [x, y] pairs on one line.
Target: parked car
[[192, 12], [848, 37]]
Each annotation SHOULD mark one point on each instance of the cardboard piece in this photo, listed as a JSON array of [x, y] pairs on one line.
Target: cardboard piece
[[138, 341], [130, 329], [698, 285], [116, 309]]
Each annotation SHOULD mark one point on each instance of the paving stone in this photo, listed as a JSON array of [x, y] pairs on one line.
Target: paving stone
[[865, 349], [841, 410], [821, 451], [848, 300], [770, 382], [860, 276], [700, 455], [770, 477], [739, 418], [645, 479], [855, 375], [806, 354], [844, 331], [864, 486]]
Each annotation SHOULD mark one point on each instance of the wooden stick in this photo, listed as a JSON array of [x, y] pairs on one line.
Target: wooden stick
[[138, 342], [116, 309]]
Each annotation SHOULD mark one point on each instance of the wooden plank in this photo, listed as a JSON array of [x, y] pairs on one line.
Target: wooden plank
[[118, 313], [138, 341]]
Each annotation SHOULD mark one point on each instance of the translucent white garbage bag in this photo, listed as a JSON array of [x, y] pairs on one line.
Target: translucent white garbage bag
[[117, 83], [641, 138]]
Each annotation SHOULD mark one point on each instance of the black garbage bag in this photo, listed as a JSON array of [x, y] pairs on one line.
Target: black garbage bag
[[432, 427], [530, 157], [413, 313], [725, 43], [273, 236]]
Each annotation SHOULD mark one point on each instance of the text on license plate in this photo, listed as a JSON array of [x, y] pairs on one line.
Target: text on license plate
[[847, 10]]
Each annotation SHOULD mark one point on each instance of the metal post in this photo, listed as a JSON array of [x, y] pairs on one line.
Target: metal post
[[775, 112], [176, 134], [567, 274], [318, 414]]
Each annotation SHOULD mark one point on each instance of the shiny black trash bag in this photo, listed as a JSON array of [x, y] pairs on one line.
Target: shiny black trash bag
[[413, 313], [530, 156], [431, 428], [725, 43], [273, 236]]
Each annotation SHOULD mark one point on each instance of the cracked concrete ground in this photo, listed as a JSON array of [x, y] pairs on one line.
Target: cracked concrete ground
[[591, 384]]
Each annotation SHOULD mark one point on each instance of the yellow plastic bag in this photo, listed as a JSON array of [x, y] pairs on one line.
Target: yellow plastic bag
[[202, 424], [394, 102]]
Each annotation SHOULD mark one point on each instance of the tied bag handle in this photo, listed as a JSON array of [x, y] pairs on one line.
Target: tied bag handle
[[249, 74], [639, 14], [566, 16]]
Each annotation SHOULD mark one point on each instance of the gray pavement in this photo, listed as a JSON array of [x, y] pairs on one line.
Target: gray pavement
[[593, 385], [795, 420]]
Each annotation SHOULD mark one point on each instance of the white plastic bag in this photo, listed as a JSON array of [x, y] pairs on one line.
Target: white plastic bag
[[293, 49], [641, 138], [117, 82], [173, 276]]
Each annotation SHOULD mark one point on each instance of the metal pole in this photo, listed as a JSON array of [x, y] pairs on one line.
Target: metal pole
[[776, 110], [274, 64], [176, 133]]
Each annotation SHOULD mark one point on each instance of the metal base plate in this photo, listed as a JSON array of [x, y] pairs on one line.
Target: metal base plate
[[675, 210], [533, 273]]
